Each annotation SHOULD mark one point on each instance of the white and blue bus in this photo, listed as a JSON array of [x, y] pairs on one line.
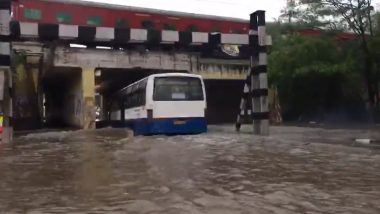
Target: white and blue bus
[[170, 103]]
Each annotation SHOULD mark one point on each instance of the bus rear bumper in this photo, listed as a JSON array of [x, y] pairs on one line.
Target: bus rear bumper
[[170, 126]]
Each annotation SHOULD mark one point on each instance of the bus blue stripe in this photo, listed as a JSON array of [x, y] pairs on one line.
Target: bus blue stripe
[[169, 126]]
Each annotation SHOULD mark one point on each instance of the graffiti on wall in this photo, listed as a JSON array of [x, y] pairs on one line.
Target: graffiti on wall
[[73, 109]]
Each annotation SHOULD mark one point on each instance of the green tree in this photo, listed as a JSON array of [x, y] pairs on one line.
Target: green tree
[[312, 76], [308, 13], [358, 17]]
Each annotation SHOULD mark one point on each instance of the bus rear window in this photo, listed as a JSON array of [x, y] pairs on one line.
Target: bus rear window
[[177, 89]]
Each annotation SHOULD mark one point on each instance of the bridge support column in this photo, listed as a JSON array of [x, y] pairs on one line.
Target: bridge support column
[[89, 106], [5, 73], [6, 113]]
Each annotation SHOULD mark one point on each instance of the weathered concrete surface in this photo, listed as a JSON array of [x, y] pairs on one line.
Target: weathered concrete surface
[[218, 69], [73, 101], [25, 91], [295, 170], [88, 88], [72, 97], [209, 68], [161, 61], [74, 57]]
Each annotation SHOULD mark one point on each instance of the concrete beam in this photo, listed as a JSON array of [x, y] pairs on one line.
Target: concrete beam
[[30, 48], [75, 57], [220, 69]]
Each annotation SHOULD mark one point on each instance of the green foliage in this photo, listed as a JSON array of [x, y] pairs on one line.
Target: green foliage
[[319, 74], [310, 14], [313, 76]]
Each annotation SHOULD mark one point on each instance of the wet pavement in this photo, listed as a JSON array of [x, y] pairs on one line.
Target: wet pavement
[[295, 170]]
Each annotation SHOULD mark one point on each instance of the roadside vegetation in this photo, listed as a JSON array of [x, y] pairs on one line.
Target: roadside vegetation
[[332, 75]]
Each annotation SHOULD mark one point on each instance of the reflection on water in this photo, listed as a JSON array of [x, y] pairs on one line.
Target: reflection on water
[[109, 171]]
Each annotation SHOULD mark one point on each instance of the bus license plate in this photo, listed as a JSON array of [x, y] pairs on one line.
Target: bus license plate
[[179, 122]]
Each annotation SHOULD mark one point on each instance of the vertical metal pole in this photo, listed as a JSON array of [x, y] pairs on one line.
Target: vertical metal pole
[[254, 46], [5, 63], [263, 76], [259, 89], [256, 86]]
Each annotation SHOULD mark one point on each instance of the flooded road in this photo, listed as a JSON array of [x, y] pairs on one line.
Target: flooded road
[[295, 170]]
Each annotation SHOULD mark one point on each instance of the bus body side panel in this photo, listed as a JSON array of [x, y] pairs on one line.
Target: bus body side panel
[[149, 93], [116, 115], [135, 113], [115, 119], [170, 126]]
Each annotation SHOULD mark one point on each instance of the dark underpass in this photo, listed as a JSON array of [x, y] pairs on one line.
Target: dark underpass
[[60, 98], [223, 96]]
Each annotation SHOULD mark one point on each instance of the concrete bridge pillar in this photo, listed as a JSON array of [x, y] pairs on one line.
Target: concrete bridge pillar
[[5, 73], [72, 98], [89, 106]]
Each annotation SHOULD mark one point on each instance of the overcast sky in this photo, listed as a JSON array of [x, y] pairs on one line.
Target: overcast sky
[[228, 8]]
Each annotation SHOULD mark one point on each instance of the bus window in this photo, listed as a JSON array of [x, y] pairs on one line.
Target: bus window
[[177, 88], [136, 95]]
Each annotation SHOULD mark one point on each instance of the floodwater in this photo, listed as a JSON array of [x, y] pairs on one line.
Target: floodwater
[[295, 170]]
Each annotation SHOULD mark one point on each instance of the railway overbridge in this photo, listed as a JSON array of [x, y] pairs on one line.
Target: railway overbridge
[[57, 74]]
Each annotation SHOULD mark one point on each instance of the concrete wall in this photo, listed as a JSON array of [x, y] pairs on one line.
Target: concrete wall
[[79, 100], [73, 99], [25, 102], [190, 62], [74, 57], [218, 69]]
